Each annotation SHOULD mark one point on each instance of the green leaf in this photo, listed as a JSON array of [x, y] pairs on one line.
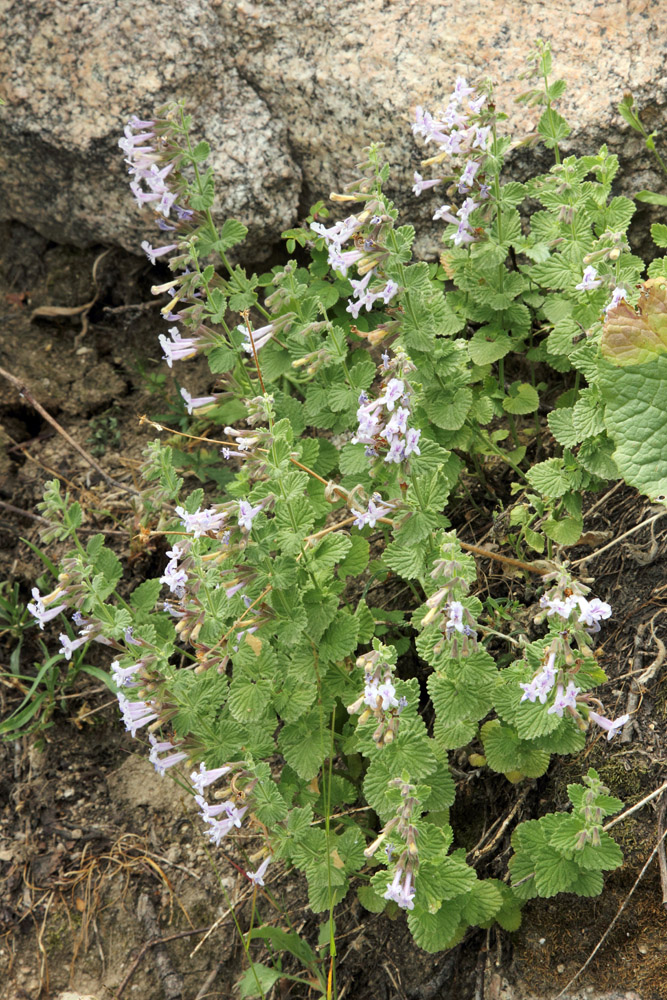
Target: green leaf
[[606, 855], [449, 735], [587, 416], [356, 560], [566, 531], [408, 562], [284, 941], [371, 900], [483, 902], [144, 597], [554, 874], [651, 198], [257, 980], [268, 804], [232, 232], [635, 420], [488, 346], [201, 152], [550, 478], [659, 234], [249, 699], [340, 638], [509, 914], [435, 931], [221, 359], [202, 199], [304, 745], [523, 398], [465, 694], [507, 754], [448, 408], [329, 552]]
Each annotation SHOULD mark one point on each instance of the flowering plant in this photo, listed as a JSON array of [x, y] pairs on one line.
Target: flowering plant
[[362, 398]]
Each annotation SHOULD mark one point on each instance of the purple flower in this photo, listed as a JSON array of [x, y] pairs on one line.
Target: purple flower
[[482, 137], [401, 894], [455, 621], [195, 402], [174, 578], [394, 391], [203, 777], [398, 423], [154, 252], [178, 348], [200, 523], [466, 209], [38, 610], [422, 185], [136, 713], [468, 175], [388, 292], [247, 513], [258, 876], [564, 699], [124, 676], [340, 261], [387, 692], [618, 295], [444, 212], [370, 516], [461, 89], [610, 727], [260, 336], [412, 442], [68, 646], [589, 280], [462, 235], [592, 612], [477, 104], [396, 451], [161, 764], [563, 608]]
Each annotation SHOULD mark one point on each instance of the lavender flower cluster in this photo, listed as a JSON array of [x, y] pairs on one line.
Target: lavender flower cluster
[[384, 421], [462, 136], [583, 618], [379, 694]]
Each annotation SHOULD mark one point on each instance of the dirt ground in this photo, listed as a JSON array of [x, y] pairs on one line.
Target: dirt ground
[[99, 856]]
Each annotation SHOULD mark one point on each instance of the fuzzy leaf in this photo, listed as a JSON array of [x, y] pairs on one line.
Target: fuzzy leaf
[[488, 346], [635, 420], [550, 478], [506, 753], [523, 399]]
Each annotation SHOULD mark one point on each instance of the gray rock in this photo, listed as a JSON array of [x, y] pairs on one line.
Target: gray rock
[[288, 93], [74, 73]]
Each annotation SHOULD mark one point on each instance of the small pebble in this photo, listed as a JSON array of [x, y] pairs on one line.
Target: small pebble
[[560, 969]]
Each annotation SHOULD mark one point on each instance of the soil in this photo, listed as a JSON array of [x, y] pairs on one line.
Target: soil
[[99, 856]]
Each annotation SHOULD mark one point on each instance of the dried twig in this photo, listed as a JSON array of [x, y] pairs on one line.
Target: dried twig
[[27, 395], [151, 944], [639, 684], [55, 312], [477, 852], [615, 541], [637, 806], [614, 921], [662, 858]]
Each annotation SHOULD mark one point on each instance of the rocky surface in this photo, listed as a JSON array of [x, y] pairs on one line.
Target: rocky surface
[[288, 94]]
